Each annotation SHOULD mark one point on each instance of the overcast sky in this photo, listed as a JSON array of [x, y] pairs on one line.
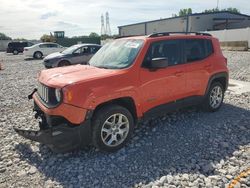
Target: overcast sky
[[32, 18]]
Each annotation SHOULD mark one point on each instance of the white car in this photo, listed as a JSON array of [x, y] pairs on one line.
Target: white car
[[40, 50]]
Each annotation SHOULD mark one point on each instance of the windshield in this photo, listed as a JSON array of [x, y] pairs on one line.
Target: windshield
[[117, 54], [70, 50]]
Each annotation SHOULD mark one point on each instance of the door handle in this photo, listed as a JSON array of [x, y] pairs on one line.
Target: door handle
[[178, 73]]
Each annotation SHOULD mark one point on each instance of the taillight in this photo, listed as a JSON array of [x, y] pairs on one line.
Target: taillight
[[25, 49], [226, 61]]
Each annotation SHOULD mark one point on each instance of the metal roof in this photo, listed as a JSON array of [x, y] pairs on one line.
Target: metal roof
[[195, 14]]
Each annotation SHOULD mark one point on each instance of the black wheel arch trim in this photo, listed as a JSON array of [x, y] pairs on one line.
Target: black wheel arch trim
[[215, 76]]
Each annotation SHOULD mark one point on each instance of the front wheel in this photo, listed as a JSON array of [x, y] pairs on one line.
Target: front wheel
[[112, 127], [214, 97]]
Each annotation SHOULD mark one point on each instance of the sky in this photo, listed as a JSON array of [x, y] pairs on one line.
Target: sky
[[31, 19]]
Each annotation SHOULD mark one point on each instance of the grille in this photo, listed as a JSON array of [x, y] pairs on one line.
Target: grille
[[43, 92]]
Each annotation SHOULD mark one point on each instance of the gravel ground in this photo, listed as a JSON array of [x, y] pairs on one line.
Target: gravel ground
[[239, 65], [189, 148]]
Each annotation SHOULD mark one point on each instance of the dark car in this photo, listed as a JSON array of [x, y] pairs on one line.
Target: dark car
[[17, 47], [76, 54]]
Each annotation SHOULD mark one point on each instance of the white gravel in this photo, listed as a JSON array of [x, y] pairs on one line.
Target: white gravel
[[189, 148]]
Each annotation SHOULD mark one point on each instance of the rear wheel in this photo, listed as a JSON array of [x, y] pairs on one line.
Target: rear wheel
[[38, 55], [63, 64], [214, 97], [15, 52], [112, 127]]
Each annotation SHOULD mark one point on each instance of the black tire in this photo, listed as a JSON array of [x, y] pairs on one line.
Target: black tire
[[63, 63], [38, 55], [103, 115], [207, 106], [15, 52]]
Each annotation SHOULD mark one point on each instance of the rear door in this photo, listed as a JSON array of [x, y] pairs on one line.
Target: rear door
[[198, 58], [167, 84]]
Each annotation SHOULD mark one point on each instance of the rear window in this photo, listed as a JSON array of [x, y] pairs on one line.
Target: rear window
[[197, 49]]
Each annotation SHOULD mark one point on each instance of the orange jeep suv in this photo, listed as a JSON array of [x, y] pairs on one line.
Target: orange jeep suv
[[127, 80]]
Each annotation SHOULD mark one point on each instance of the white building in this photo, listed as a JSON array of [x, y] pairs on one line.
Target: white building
[[192, 23]]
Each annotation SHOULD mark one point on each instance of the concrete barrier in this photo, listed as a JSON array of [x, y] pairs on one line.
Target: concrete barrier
[[233, 35], [234, 45]]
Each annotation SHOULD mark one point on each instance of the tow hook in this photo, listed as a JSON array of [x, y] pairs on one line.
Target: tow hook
[[30, 95]]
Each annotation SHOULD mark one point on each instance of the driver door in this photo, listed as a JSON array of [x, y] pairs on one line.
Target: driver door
[[167, 84]]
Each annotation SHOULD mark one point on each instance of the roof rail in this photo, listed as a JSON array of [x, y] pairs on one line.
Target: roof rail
[[125, 36], [169, 33]]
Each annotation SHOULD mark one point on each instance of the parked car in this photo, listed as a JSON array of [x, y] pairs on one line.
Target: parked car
[[76, 54], [17, 47], [127, 80], [37, 51]]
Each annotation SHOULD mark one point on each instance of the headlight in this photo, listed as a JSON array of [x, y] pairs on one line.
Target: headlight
[[58, 95]]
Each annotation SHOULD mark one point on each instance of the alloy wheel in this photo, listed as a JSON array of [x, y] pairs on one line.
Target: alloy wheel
[[115, 130]]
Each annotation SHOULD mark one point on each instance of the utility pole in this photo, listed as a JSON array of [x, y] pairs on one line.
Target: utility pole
[[217, 7]]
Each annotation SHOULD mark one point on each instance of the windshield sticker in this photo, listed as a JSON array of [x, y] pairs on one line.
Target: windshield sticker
[[132, 45]]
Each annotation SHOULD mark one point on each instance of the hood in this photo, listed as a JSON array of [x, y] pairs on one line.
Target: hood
[[54, 55], [62, 76]]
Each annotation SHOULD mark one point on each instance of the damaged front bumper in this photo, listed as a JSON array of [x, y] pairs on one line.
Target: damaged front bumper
[[57, 133]]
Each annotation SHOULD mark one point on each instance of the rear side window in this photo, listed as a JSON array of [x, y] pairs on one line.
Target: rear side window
[[52, 45], [170, 49], [94, 49], [197, 49]]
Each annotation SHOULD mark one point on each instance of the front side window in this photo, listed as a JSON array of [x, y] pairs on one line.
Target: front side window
[[197, 49], [169, 49], [117, 54], [85, 49]]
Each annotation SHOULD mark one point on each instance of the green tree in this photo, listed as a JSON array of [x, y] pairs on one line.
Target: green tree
[[93, 34], [47, 38], [185, 12], [4, 37]]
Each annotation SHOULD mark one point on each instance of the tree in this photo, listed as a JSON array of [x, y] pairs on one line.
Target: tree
[[4, 37], [93, 34], [185, 12], [47, 38]]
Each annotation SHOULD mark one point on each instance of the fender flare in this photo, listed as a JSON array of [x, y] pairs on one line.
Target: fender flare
[[215, 76]]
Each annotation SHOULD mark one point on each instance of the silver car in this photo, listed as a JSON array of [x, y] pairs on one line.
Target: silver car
[[76, 54]]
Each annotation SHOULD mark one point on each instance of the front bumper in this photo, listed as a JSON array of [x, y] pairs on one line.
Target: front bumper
[[59, 134], [61, 138]]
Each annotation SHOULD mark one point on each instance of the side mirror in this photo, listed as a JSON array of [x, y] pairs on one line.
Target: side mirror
[[159, 63]]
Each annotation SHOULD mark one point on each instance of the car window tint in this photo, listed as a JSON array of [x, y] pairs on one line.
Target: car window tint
[[52, 45], [170, 49], [197, 49], [94, 49], [86, 49], [43, 45]]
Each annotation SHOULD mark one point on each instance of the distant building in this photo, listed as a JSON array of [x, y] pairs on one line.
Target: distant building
[[59, 34], [191, 23]]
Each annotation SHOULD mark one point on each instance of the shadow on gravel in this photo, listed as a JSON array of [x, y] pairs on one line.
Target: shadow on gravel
[[189, 141], [31, 59]]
